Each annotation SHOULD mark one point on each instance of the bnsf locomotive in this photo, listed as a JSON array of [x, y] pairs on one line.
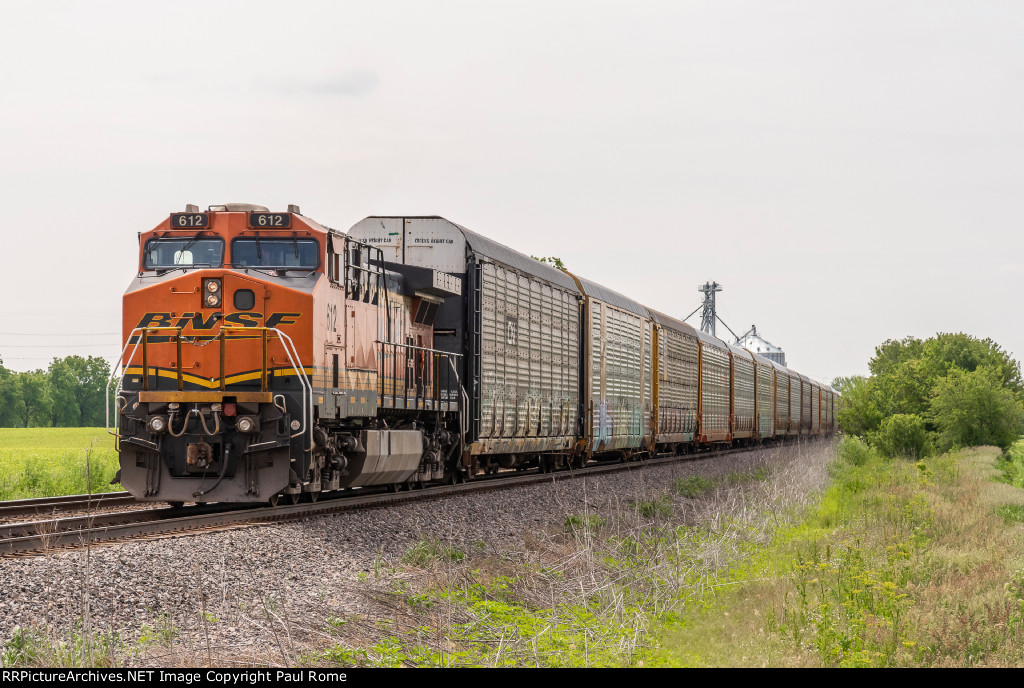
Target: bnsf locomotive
[[268, 355]]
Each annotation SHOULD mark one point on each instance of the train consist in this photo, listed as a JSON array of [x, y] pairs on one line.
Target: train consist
[[267, 355]]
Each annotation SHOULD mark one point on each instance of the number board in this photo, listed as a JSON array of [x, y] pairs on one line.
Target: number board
[[189, 220], [270, 220]]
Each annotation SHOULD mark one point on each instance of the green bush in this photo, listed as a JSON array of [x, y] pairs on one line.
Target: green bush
[[1011, 463], [902, 435], [854, 451], [968, 390], [972, 408]]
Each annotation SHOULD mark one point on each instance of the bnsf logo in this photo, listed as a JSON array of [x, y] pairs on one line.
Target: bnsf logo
[[196, 320]]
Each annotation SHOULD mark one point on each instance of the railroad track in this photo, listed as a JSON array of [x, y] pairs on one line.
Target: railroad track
[[43, 505], [81, 531]]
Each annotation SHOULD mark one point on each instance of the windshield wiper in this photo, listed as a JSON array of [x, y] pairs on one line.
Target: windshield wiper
[[191, 241]]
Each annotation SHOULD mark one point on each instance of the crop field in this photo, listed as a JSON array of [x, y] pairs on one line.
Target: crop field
[[47, 462]]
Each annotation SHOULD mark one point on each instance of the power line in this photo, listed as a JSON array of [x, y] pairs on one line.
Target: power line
[[59, 334], [50, 314], [46, 358], [53, 346]]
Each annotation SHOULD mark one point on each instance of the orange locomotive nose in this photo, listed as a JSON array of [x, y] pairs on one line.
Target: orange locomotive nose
[[218, 329], [169, 309]]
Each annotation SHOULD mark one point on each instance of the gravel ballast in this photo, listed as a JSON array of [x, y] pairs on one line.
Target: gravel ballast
[[262, 593]]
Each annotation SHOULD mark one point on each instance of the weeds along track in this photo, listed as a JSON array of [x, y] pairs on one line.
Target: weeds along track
[[32, 537]]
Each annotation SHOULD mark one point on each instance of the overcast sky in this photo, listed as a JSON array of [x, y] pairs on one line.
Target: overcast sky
[[850, 171]]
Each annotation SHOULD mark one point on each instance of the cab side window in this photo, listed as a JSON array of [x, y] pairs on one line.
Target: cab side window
[[334, 265]]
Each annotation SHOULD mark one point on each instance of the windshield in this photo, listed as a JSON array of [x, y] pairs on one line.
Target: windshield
[[279, 254], [183, 252]]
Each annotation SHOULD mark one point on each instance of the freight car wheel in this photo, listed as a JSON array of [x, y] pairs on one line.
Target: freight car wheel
[[294, 498], [274, 500], [176, 505], [313, 496]]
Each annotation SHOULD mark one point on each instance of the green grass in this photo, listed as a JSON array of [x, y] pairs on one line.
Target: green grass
[[426, 552], [660, 507], [492, 626], [34, 648], [1012, 464], [47, 462], [697, 485], [581, 525], [1011, 513], [900, 564], [694, 486]]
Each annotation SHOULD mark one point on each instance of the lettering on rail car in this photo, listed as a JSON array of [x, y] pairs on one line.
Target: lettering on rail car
[[332, 317], [198, 322]]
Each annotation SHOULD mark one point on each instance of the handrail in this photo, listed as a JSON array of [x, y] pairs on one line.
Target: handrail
[[120, 378], [287, 344], [464, 398], [307, 408], [424, 384], [145, 369]]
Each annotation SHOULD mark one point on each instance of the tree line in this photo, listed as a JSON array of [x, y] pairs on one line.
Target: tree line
[[69, 393], [952, 390]]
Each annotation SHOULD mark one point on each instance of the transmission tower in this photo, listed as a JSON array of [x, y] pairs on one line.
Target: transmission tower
[[709, 316]]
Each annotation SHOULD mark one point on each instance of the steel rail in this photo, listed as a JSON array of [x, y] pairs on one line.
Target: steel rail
[[82, 531], [64, 503]]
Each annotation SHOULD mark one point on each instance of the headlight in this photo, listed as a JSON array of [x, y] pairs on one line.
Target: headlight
[[157, 425], [211, 293]]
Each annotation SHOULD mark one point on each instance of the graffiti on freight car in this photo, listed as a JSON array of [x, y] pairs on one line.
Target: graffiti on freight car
[[511, 330]]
